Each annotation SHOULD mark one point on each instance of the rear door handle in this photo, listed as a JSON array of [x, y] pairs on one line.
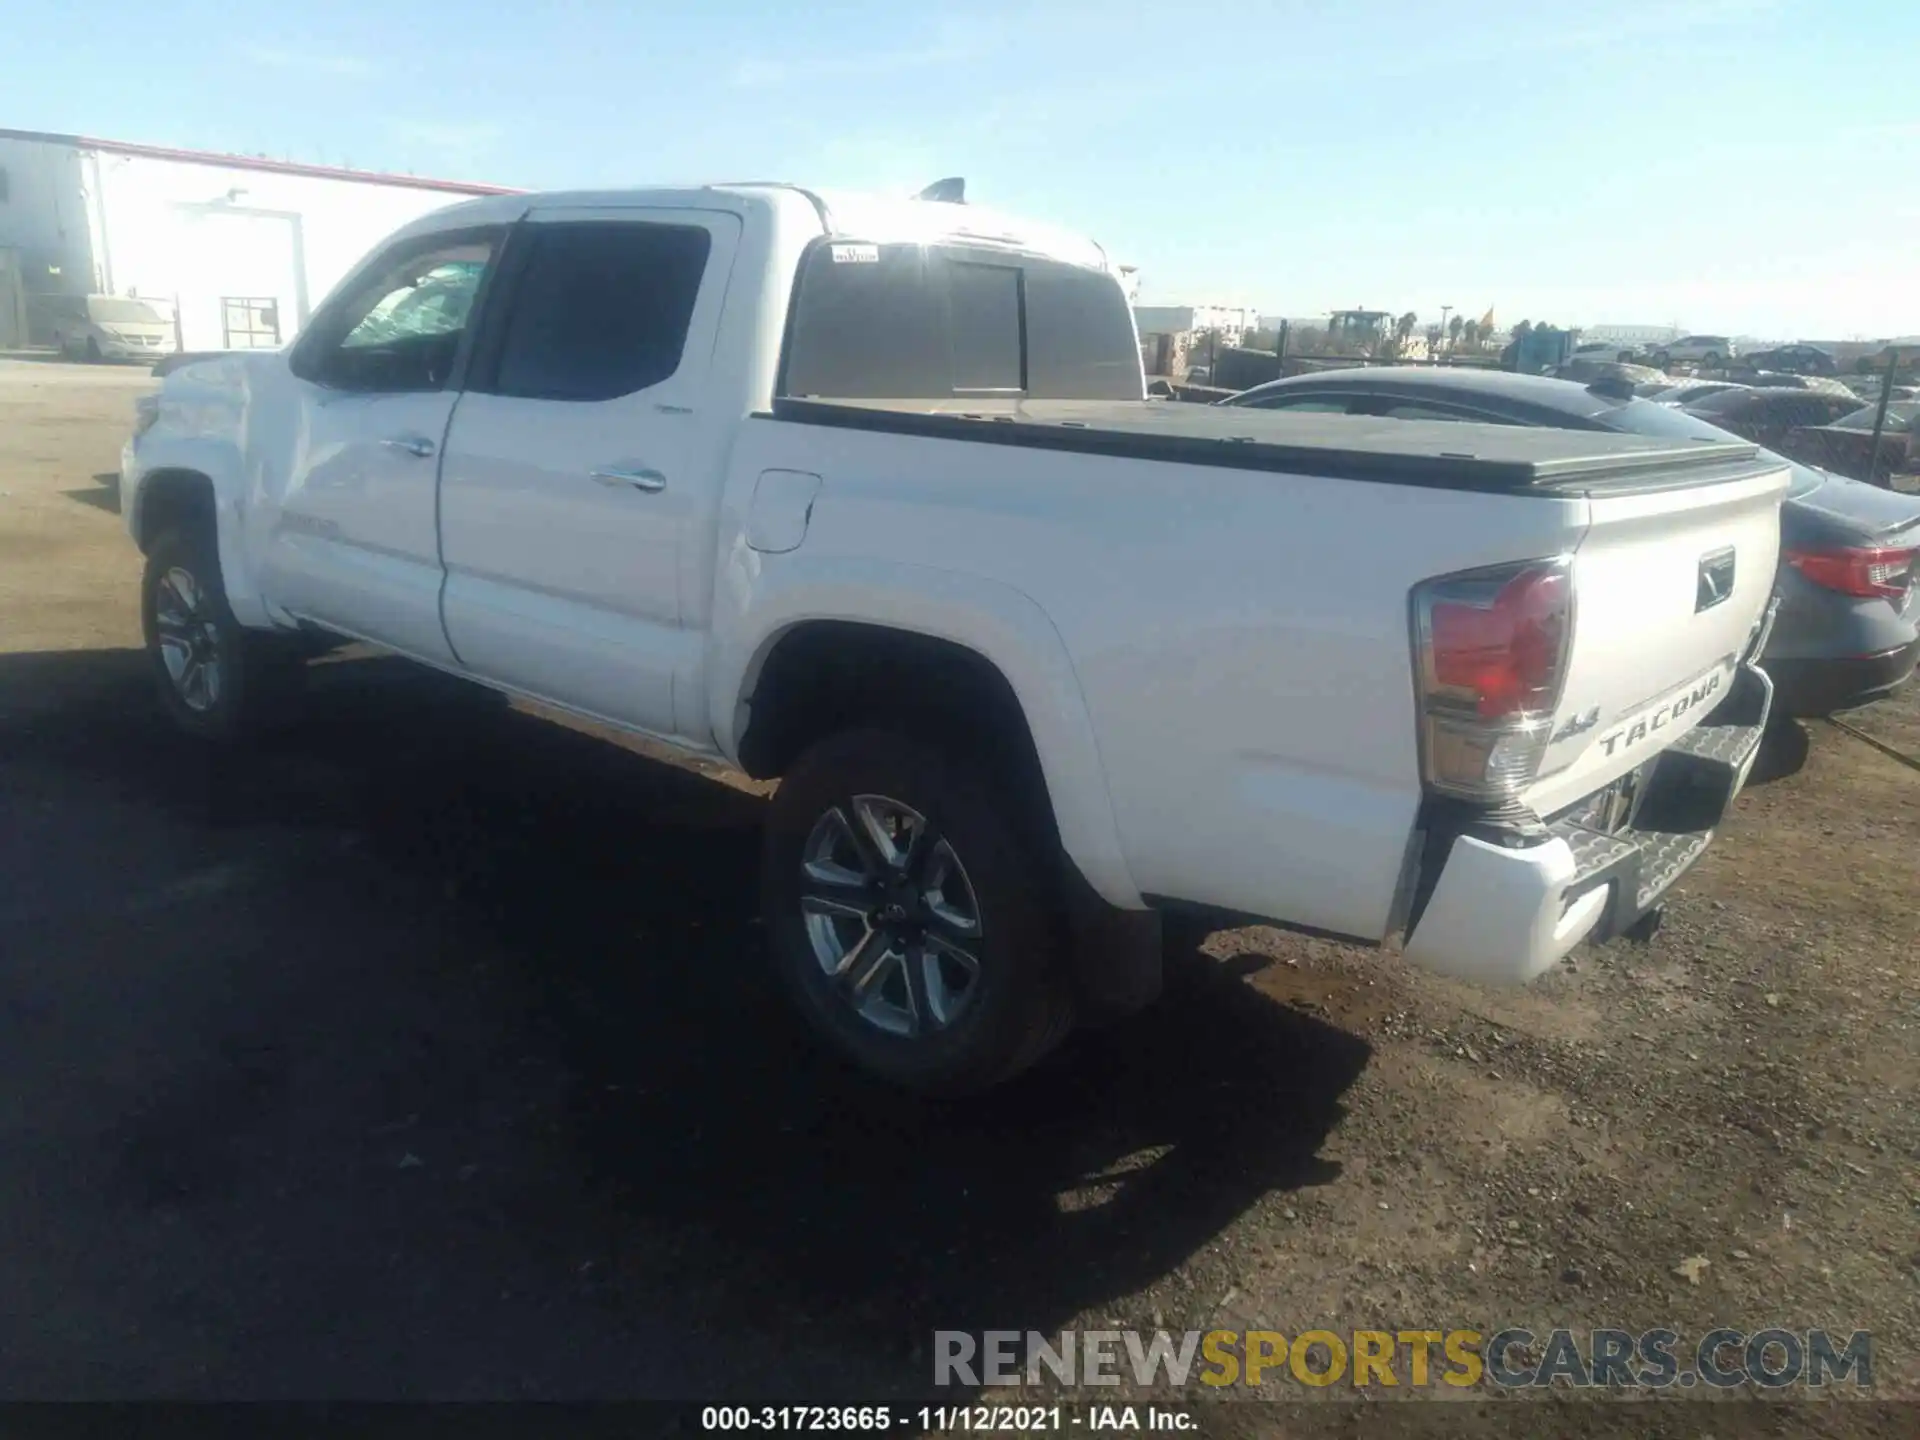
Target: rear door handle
[[416, 445], [651, 481]]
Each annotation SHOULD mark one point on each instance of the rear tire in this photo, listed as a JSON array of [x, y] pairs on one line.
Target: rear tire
[[216, 679], [94, 357], [913, 917]]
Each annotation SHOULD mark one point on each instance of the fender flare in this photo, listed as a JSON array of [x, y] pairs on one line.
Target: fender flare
[[221, 463], [758, 603]]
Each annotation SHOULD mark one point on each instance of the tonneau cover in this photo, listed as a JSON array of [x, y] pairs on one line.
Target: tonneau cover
[[1440, 453]]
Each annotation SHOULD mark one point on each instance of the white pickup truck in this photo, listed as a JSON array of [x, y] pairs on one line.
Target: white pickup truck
[[866, 495]]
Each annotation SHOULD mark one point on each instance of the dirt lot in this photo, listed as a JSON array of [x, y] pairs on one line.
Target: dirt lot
[[427, 1050]]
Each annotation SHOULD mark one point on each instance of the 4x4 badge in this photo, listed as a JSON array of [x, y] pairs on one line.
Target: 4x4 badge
[[1578, 725]]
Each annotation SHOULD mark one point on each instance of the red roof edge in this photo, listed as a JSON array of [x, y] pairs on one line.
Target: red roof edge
[[256, 162]]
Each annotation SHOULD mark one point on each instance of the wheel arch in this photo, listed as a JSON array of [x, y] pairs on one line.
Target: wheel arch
[[208, 468], [1000, 635], [169, 497]]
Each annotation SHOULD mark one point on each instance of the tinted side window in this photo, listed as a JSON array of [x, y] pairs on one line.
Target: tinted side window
[[400, 325], [1306, 404], [600, 309], [1422, 410]]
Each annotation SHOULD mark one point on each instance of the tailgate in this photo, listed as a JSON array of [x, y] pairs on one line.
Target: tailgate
[[1668, 587]]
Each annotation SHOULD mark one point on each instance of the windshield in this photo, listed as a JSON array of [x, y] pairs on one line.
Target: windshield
[[108, 309]]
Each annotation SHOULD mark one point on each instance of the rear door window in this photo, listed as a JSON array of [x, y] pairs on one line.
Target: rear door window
[[1429, 410], [599, 309], [1308, 404]]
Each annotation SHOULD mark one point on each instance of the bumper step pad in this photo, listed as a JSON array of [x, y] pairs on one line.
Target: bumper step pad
[[1687, 791]]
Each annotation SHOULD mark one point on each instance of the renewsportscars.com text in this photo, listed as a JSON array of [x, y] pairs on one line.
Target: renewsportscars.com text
[[1772, 1357]]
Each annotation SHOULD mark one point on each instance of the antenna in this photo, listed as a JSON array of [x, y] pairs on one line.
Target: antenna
[[953, 190]]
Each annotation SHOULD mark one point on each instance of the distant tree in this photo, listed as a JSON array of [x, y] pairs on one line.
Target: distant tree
[[1434, 334], [1456, 327], [1466, 335], [1522, 330], [1260, 340]]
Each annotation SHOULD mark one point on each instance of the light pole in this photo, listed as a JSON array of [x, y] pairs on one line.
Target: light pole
[[1445, 310]]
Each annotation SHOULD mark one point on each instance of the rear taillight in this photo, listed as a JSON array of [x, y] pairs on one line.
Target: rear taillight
[[1491, 651], [1871, 574]]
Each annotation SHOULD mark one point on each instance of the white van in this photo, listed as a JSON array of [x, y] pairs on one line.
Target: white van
[[111, 327]]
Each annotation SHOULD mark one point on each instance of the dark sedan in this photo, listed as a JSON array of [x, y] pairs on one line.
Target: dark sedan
[[1846, 447], [1848, 631], [1765, 416], [1794, 359]]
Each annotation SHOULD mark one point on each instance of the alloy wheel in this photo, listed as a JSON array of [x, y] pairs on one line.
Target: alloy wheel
[[190, 645], [892, 918]]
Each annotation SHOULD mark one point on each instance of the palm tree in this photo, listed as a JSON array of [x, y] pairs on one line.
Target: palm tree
[[1469, 334], [1457, 325]]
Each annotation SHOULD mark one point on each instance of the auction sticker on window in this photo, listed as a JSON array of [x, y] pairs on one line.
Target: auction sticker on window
[[856, 254]]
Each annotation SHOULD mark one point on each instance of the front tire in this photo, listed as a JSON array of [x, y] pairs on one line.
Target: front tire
[[216, 679], [912, 916], [94, 357]]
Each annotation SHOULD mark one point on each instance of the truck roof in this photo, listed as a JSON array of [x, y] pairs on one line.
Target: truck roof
[[842, 214]]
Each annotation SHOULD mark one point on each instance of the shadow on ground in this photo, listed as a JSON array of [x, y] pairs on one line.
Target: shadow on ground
[[104, 495], [428, 1048], [1783, 752]]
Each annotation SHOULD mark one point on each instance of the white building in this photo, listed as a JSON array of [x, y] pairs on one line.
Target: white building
[[240, 249], [1233, 321]]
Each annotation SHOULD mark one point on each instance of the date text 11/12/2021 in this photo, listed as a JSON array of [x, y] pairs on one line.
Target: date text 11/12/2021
[[945, 1418]]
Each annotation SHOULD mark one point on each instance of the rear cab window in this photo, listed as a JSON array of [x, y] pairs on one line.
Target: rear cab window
[[942, 322]]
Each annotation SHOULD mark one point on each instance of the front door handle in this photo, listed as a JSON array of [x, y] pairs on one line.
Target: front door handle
[[651, 481], [416, 445]]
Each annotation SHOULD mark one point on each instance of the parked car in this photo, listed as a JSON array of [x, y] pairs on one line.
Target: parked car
[[1783, 380], [1697, 349], [865, 494], [1765, 416], [1794, 360], [109, 327], [1846, 446], [1608, 350], [1685, 392], [1867, 391], [1846, 631]]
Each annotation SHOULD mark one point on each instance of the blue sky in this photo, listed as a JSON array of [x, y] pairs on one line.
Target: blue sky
[[1738, 165]]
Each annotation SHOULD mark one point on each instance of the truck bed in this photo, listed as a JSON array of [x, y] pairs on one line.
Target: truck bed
[[1439, 454]]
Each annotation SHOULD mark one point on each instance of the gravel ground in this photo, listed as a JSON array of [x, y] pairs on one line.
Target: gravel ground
[[427, 1050]]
